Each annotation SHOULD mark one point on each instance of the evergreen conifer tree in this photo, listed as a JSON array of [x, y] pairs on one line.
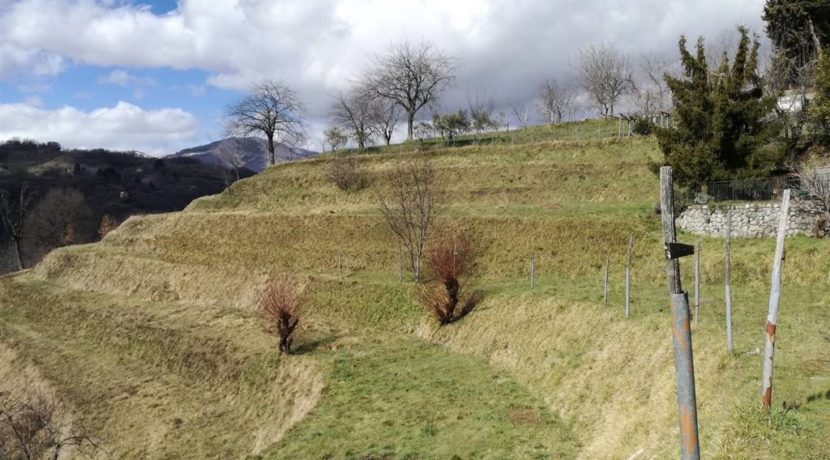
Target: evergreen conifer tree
[[720, 129]]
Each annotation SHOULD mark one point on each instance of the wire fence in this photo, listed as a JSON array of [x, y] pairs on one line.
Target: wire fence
[[765, 189]]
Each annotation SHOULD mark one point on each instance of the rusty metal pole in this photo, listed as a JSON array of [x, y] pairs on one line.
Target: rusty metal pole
[[681, 329], [774, 297]]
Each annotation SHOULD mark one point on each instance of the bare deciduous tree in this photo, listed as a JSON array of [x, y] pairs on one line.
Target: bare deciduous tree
[[409, 208], [280, 305], [816, 187], [272, 110], [384, 118], [60, 218], [233, 158], [12, 216], [791, 84], [481, 112], [522, 112], [334, 138], [605, 75], [555, 100], [411, 76], [650, 93], [35, 427], [353, 112]]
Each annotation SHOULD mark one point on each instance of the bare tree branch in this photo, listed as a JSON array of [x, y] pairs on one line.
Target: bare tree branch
[[354, 112], [411, 76], [555, 101], [13, 211], [605, 75], [408, 208], [272, 110]]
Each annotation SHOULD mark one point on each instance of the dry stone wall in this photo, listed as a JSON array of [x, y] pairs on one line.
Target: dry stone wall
[[751, 220]]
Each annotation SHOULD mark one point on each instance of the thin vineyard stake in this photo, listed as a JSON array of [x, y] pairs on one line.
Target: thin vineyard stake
[[774, 297], [532, 270], [727, 279], [628, 278], [400, 263], [681, 330], [697, 283], [605, 282], [339, 266]]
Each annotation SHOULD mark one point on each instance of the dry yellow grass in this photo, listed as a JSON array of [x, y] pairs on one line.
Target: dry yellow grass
[[158, 316]]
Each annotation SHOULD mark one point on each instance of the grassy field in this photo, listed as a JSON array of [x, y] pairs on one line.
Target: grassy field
[[150, 336]]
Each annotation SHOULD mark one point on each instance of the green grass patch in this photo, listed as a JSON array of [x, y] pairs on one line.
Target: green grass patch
[[409, 399]]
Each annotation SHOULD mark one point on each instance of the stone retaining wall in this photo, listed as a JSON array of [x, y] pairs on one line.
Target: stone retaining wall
[[752, 220]]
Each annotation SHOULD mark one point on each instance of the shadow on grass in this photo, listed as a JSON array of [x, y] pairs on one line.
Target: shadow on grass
[[316, 344]]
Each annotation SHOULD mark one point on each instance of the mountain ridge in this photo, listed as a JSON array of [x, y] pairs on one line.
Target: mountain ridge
[[242, 152]]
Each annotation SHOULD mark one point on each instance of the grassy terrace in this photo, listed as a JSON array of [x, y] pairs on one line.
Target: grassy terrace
[[151, 338]]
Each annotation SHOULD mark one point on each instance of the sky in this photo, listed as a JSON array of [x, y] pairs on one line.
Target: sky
[[156, 76]]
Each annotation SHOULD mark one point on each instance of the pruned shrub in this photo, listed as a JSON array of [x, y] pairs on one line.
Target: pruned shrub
[[347, 174], [449, 259], [280, 305]]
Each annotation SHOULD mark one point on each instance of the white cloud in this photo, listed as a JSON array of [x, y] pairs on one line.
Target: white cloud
[[317, 46], [123, 78], [122, 127]]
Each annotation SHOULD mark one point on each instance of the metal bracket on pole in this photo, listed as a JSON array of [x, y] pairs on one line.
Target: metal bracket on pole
[[678, 250]]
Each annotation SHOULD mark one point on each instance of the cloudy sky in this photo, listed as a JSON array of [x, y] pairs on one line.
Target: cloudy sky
[[155, 76]]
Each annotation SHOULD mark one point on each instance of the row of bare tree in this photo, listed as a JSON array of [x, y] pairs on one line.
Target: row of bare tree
[[410, 77], [32, 227]]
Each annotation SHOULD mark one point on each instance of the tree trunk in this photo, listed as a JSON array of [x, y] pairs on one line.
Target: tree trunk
[[18, 254], [452, 293], [271, 150], [410, 125]]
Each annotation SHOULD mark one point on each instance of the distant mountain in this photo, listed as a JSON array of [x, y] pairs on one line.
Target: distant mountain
[[252, 153], [118, 184]]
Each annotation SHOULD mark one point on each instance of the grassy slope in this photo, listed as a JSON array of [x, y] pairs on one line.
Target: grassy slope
[[551, 373]]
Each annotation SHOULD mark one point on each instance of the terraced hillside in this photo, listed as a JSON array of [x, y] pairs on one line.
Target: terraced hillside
[[151, 339]]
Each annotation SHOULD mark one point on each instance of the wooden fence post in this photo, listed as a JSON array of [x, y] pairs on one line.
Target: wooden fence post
[[628, 277], [774, 297], [681, 331], [727, 280]]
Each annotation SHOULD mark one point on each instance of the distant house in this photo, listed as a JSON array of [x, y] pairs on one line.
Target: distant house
[[793, 101]]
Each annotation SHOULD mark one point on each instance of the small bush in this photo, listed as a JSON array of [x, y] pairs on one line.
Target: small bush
[[347, 174], [280, 306], [108, 224], [642, 127], [448, 260]]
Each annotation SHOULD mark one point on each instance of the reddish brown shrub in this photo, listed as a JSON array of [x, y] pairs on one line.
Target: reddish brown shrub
[[448, 260], [280, 305], [108, 224]]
